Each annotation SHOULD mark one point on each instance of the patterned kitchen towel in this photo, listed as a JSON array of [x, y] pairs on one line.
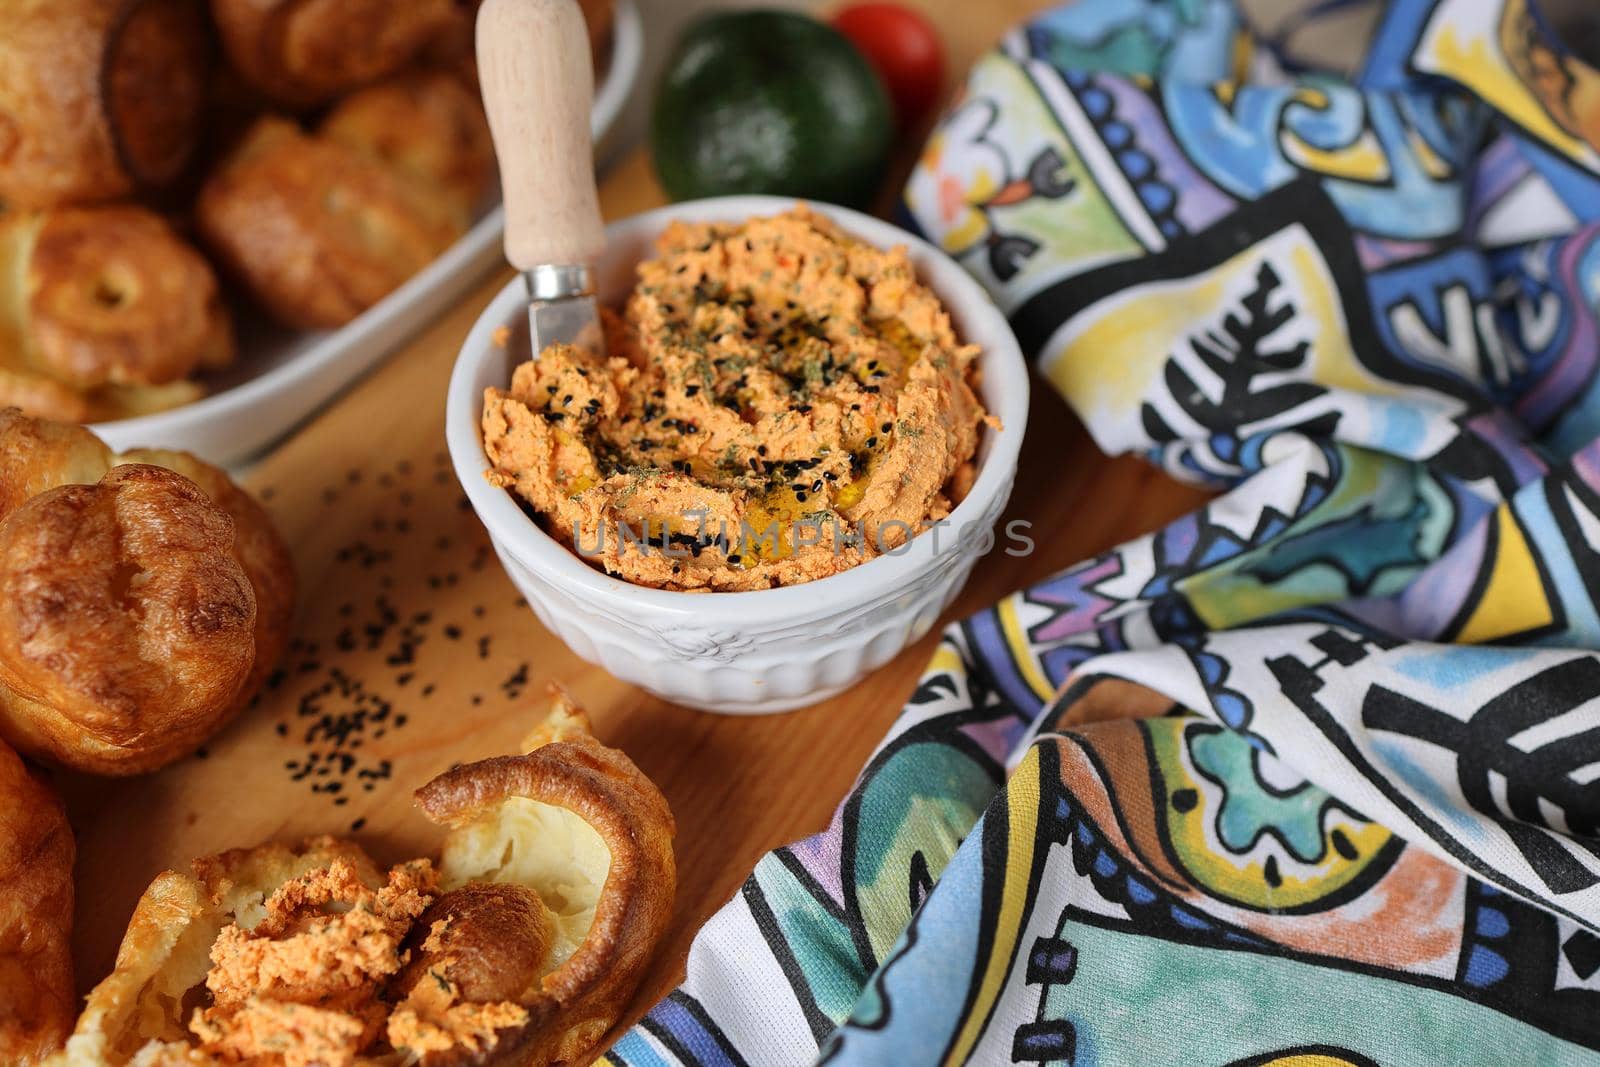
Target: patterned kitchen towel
[[1310, 777]]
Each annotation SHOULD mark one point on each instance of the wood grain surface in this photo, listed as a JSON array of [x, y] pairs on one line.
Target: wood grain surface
[[413, 651]]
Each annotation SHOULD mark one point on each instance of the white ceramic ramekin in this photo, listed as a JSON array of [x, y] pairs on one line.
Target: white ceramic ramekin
[[773, 649]]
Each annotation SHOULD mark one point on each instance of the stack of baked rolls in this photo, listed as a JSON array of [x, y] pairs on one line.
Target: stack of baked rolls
[[519, 947], [105, 309], [319, 225], [314, 154], [143, 599]]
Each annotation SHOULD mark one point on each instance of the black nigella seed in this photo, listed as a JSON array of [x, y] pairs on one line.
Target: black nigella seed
[[800, 497], [886, 427], [872, 442], [691, 390]]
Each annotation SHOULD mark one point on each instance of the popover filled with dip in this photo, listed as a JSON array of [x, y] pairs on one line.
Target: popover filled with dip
[[779, 402]]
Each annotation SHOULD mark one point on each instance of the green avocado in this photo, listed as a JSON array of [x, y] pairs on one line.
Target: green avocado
[[770, 102]]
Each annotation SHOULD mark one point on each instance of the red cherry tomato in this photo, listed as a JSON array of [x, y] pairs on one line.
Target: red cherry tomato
[[905, 50]]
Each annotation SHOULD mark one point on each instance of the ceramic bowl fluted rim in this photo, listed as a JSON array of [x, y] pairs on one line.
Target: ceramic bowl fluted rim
[[1002, 367]]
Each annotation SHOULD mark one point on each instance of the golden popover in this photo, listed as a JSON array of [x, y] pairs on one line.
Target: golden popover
[[321, 226], [165, 955], [37, 999], [138, 609], [301, 53], [580, 824], [109, 296], [427, 126], [98, 98]]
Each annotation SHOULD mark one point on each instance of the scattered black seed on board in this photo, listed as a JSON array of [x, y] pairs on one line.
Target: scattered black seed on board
[[514, 683], [335, 721], [358, 825]]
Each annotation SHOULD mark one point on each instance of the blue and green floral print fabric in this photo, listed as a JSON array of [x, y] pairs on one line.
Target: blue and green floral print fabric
[[1310, 777]]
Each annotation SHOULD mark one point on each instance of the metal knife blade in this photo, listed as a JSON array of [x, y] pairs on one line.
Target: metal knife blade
[[562, 310]]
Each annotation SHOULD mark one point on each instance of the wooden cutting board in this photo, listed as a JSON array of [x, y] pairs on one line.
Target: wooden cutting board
[[413, 651]]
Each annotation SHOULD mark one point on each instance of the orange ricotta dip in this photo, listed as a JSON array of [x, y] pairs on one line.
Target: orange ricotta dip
[[780, 402]]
